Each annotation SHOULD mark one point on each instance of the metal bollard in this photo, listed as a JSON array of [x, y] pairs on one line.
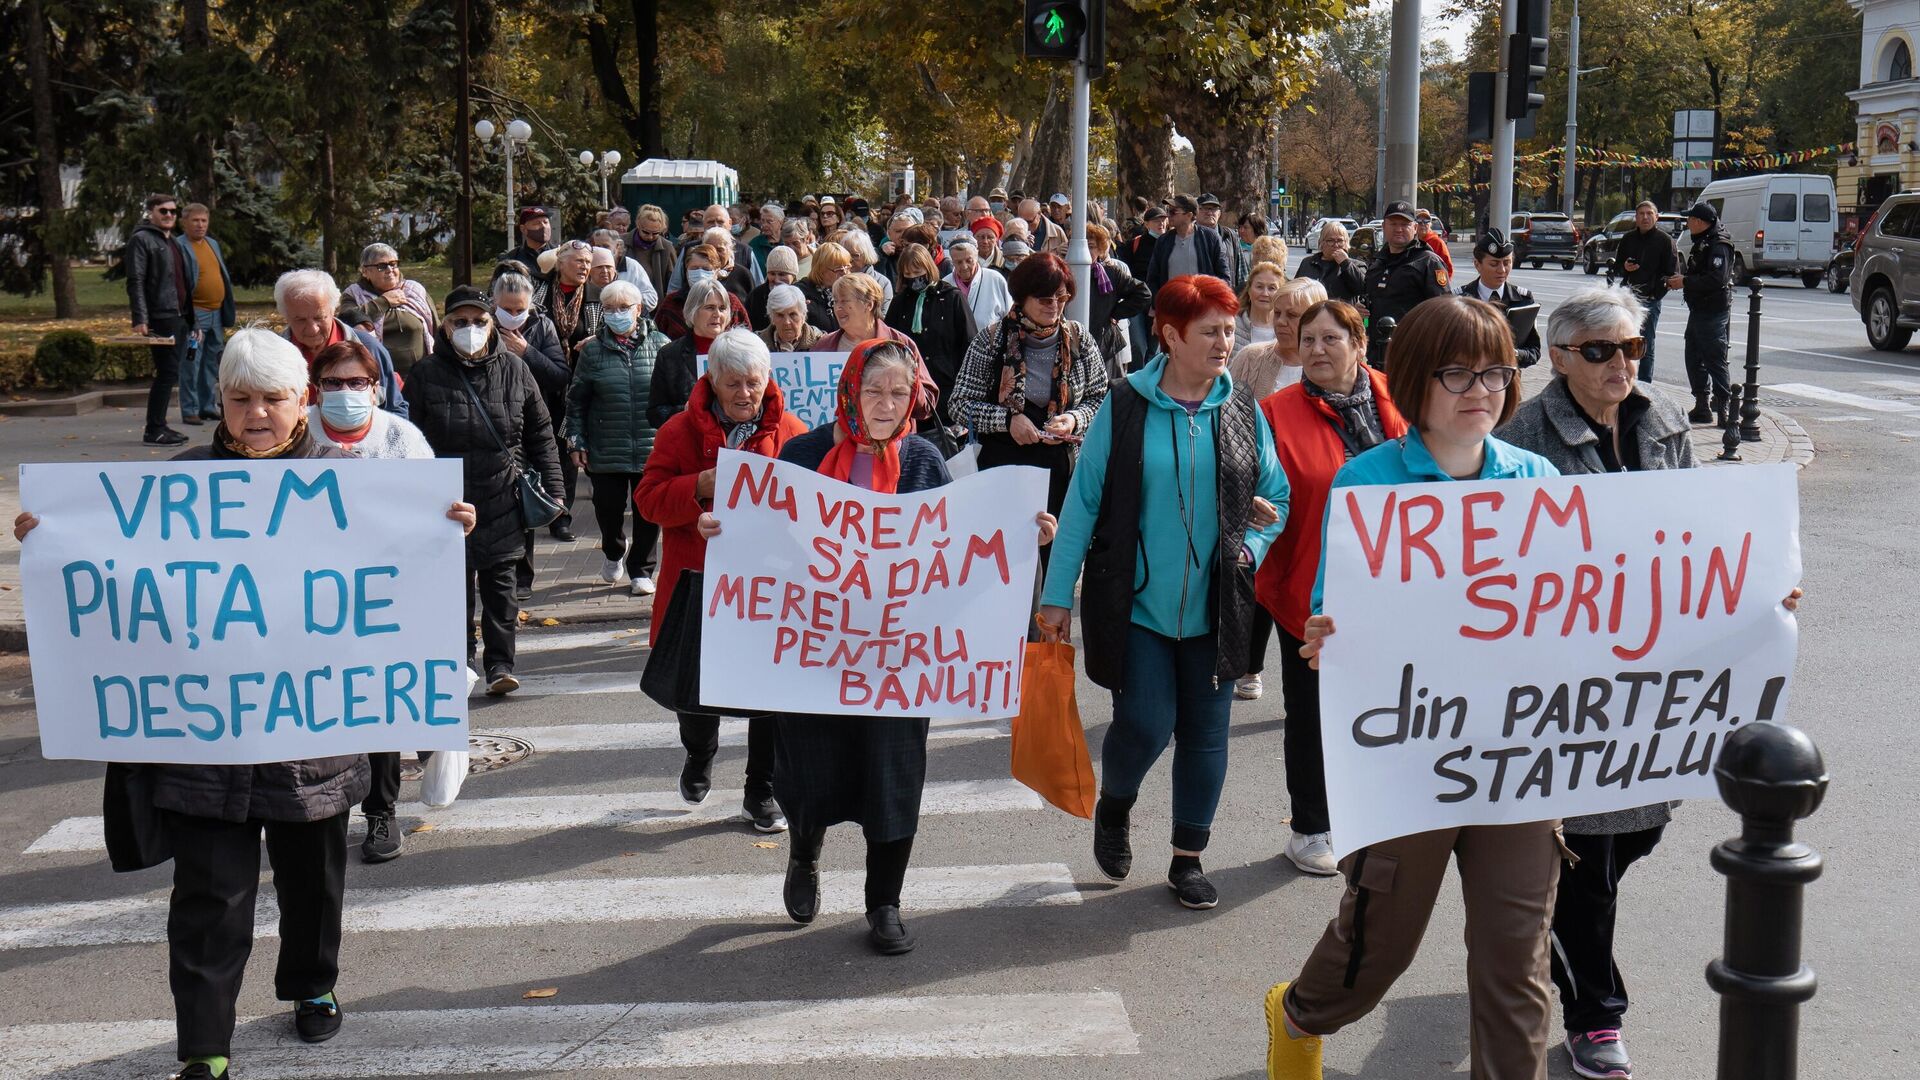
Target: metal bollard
[[1750, 408], [1771, 775], [1380, 332], [1729, 429]]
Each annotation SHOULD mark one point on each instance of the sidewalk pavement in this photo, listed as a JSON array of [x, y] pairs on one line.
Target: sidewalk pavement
[[567, 586]]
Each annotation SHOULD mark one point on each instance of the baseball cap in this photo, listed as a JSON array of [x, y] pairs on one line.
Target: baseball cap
[[1059, 198], [1209, 200], [827, 200], [1399, 208], [528, 213], [1153, 213], [467, 296], [1705, 212]]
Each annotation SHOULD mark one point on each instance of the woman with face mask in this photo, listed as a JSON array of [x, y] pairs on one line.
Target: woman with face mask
[[479, 402], [607, 427], [934, 314]]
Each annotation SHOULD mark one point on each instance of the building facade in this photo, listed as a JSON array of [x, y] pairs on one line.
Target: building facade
[[1887, 136]]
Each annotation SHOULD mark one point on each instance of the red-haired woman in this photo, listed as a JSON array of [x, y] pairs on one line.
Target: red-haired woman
[[1031, 383], [1176, 498]]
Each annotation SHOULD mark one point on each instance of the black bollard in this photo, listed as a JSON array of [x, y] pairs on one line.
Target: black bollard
[[1729, 427], [1380, 332], [1750, 408], [1771, 775]]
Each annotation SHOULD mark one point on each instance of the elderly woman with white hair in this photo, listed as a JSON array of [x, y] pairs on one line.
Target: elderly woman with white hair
[[627, 268], [710, 311], [215, 815], [864, 260], [985, 290], [796, 234], [306, 301], [737, 406], [608, 430], [399, 309], [787, 327], [564, 294]]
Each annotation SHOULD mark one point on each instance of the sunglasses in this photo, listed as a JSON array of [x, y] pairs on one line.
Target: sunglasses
[[1459, 380], [1599, 352], [167, 210]]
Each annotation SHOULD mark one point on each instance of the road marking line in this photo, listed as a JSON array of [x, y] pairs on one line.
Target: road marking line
[[532, 641], [1842, 398], [664, 735], [1843, 419], [546, 813], [590, 682], [1901, 386], [559, 1039], [544, 902]]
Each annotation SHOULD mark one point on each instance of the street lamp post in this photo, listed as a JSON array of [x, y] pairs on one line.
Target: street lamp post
[[1574, 71], [517, 131], [608, 162]]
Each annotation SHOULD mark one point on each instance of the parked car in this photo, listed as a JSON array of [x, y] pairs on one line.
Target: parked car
[[1364, 241], [1312, 242], [1597, 252], [1539, 238], [1839, 270], [1885, 283], [1779, 223]]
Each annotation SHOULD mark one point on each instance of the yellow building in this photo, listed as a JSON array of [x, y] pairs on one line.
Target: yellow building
[[1887, 136]]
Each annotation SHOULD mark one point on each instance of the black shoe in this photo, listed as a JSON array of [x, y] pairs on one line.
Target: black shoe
[[765, 814], [802, 891], [886, 933], [501, 682], [696, 779], [523, 592], [1192, 886], [1112, 848], [1702, 413], [383, 840], [562, 530], [316, 1021], [164, 436], [199, 1070]]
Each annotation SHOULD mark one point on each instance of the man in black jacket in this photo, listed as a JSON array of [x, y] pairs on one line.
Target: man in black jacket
[[1341, 274], [1186, 247], [1406, 273], [536, 236], [1643, 260], [157, 301], [1707, 286], [1209, 219]]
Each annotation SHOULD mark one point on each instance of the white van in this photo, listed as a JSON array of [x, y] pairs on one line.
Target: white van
[[1780, 223]]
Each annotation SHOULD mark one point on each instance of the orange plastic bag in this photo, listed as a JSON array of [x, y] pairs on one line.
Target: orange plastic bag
[[1049, 745]]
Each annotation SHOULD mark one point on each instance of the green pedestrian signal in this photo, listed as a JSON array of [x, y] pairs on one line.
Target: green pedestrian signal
[[1054, 29]]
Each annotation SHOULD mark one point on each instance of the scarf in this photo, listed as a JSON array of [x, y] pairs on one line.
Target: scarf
[[737, 432], [566, 313], [1102, 284], [1359, 419], [225, 445], [1013, 363], [363, 297], [838, 463]]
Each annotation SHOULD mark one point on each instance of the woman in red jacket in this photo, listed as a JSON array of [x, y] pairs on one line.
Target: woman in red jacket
[[1339, 409], [735, 405]]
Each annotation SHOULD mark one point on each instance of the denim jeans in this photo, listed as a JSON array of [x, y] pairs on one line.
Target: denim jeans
[[1648, 327], [200, 373], [1170, 692], [1707, 354]]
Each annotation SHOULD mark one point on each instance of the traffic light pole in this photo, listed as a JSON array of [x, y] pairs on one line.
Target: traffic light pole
[[1079, 256], [1500, 181], [1403, 103]]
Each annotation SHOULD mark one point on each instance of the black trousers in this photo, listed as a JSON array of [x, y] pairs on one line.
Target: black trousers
[[1257, 641], [997, 450], [166, 366], [1306, 760], [216, 878], [701, 736], [886, 864], [612, 500], [1706, 341], [569, 476], [386, 782], [499, 615], [1593, 996]]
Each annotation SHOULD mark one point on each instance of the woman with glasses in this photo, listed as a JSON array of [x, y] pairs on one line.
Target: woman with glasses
[[1032, 382], [1493, 262], [650, 245], [1450, 371], [400, 310]]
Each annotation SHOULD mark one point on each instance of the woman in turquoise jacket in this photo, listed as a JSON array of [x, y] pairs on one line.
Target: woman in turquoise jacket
[[1174, 500]]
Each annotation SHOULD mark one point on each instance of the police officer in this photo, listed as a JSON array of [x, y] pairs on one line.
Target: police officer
[[1493, 282], [1399, 277], [1707, 286]]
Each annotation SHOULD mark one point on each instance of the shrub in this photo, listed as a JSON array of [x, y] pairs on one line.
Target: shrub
[[67, 359]]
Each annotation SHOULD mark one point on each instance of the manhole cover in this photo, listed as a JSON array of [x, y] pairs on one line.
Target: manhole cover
[[487, 753], [1783, 403]]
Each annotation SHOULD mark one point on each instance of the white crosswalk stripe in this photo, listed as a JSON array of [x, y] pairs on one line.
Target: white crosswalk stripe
[[561, 1039], [546, 813], [1846, 400], [665, 735]]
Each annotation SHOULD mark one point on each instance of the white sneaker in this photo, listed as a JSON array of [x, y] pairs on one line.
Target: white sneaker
[[1248, 688], [612, 570], [643, 586], [1312, 853]]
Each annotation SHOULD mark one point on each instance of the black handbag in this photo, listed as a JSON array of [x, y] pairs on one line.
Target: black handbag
[[537, 508], [672, 675], [136, 838]]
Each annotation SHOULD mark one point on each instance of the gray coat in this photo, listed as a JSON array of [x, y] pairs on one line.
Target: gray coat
[[1551, 425]]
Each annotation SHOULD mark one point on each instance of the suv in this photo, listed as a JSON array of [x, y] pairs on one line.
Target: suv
[[1597, 252], [1540, 237], [1885, 285], [1311, 243], [1365, 242]]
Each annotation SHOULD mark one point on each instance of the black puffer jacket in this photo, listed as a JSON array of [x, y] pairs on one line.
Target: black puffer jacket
[[444, 411], [672, 381], [946, 329], [311, 790]]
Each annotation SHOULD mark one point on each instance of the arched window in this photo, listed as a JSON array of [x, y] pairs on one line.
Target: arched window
[[1899, 62]]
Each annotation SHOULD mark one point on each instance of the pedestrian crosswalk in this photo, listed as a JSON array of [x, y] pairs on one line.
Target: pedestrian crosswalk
[[561, 798]]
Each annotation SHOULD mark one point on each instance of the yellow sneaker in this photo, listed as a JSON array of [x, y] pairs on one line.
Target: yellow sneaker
[[1288, 1058]]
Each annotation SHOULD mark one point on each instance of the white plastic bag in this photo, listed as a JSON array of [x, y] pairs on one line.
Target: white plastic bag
[[966, 462], [446, 771]]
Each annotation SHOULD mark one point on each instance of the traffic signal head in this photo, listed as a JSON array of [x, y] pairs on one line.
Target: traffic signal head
[[1526, 67], [1054, 29]]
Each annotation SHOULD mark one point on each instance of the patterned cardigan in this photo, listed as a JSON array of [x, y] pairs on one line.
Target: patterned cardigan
[[976, 389]]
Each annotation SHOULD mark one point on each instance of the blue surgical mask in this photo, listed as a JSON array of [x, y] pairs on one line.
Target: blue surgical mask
[[998, 205], [740, 228], [620, 322], [701, 274], [346, 410]]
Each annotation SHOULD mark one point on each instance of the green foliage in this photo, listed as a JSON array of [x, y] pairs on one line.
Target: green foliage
[[67, 359]]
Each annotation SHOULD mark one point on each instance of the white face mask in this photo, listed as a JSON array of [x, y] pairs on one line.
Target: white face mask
[[470, 340], [509, 320]]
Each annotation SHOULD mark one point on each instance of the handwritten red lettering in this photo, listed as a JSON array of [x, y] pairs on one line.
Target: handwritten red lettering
[[727, 592], [885, 536], [1560, 514], [1411, 538], [994, 547], [933, 513], [763, 490], [1510, 615], [1374, 544], [1471, 534], [1730, 587]]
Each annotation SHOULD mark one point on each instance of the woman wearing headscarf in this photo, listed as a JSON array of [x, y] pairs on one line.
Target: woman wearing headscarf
[[935, 315], [856, 299], [734, 405], [985, 291], [787, 327], [830, 769], [830, 264], [987, 233], [783, 268], [400, 310], [1176, 498], [214, 816]]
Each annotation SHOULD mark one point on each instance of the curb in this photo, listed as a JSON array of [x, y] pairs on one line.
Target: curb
[[79, 404]]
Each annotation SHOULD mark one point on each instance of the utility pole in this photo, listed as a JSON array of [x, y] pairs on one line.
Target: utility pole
[[1403, 143], [462, 255], [1079, 255], [1380, 152], [1568, 175], [1500, 179]]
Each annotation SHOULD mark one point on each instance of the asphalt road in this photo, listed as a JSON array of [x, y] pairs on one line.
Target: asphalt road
[[1034, 965]]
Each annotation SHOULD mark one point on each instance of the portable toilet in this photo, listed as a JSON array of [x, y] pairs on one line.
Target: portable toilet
[[677, 186]]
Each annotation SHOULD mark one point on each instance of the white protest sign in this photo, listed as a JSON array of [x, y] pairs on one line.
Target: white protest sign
[[236, 612], [822, 597], [807, 382], [1510, 651]]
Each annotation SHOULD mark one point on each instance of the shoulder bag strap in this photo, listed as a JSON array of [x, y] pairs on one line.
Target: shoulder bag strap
[[485, 417]]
